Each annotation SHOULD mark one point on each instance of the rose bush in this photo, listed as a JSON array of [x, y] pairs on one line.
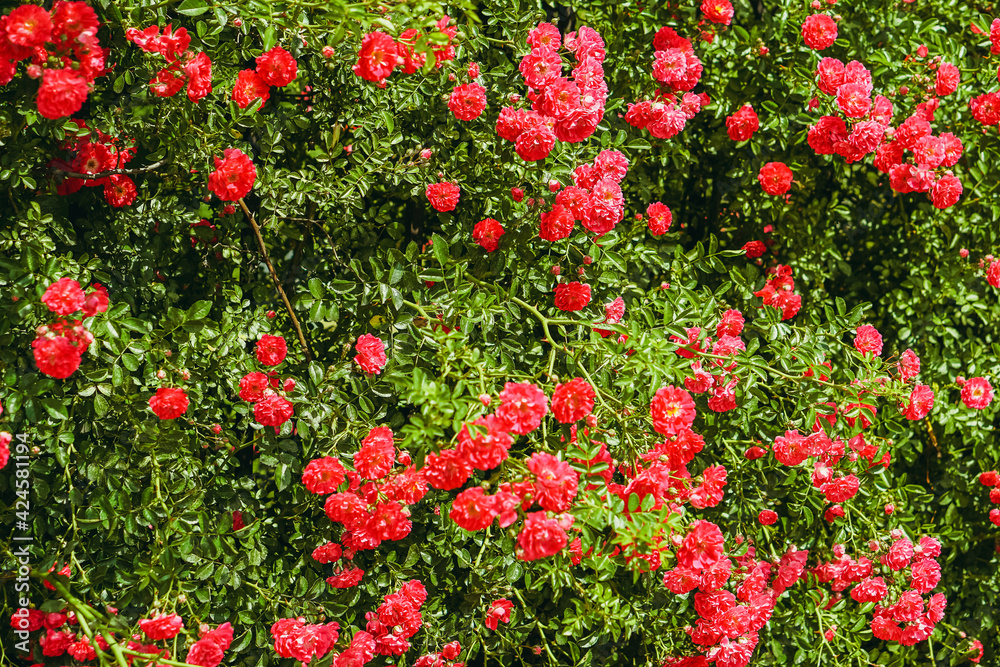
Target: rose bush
[[314, 362]]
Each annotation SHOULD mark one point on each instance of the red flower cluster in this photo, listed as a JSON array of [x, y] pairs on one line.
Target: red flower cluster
[[209, 650], [778, 292], [293, 638], [819, 31], [397, 619], [97, 155], [595, 199], [572, 296], [775, 178], [562, 109], [676, 66], [871, 120], [992, 480], [58, 347], [276, 67], [68, 36], [183, 66], [266, 391], [379, 54]]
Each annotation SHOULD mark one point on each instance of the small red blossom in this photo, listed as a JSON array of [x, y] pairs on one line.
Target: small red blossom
[[487, 233], [271, 350], [277, 67], [775, 178], [572, 296], [234, 175]]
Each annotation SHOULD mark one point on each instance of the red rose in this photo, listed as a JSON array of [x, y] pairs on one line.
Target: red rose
[[57, 356], [775, 178], [672, 409], [555, 482], [443, 196], [468, 101], [472, 509], [119, 190], [540, 537], [702, 546], [199, 75], [377, 454], [205, 653], [62, 93], [29, 26], [921, 402], [371, 354], [868, 340], [556, 224], [573, 401], [161, 626], [233, 177], [742, 124], [376, 58], [819, 31], [323, 475], [168, 402], [487, 233], [947, 79], [446, 470], [277, 67], [522, 406], [658, 218], [271, 350], [499, 612], [273, 411], [572, 296], [64, 297], [252, 387], [249, 87], [718, 11]]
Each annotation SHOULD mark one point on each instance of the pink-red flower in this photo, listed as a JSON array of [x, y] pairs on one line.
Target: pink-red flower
[[819, 31], [499, 612], [540, 537], [377, 57], [64, 297], [658, 218], [323, 475], [573, 400], [467, 101], [277, 67], [702, 547], [742, 124], [161, 626], [775, 178], [487, 233], [62, 93], [443, 196], [868, 340], [522, 406], [273, 410], [977, 393], [371, 354], [234, 175], [168, 402], [920, 403], [377, 454], [555, 482], [271, 350], [672, 409], [572, 296], [249, 87]]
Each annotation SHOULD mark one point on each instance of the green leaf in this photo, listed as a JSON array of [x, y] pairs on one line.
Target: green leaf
[[56, 408], [192, 7], [441, 249]]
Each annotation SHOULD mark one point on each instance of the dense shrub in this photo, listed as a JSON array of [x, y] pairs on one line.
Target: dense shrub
[[406, 333]]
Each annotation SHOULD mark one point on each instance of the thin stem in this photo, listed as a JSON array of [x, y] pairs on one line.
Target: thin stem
[[277, 281]]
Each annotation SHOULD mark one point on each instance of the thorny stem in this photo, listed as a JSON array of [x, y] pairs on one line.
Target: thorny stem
[[277, 281]]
